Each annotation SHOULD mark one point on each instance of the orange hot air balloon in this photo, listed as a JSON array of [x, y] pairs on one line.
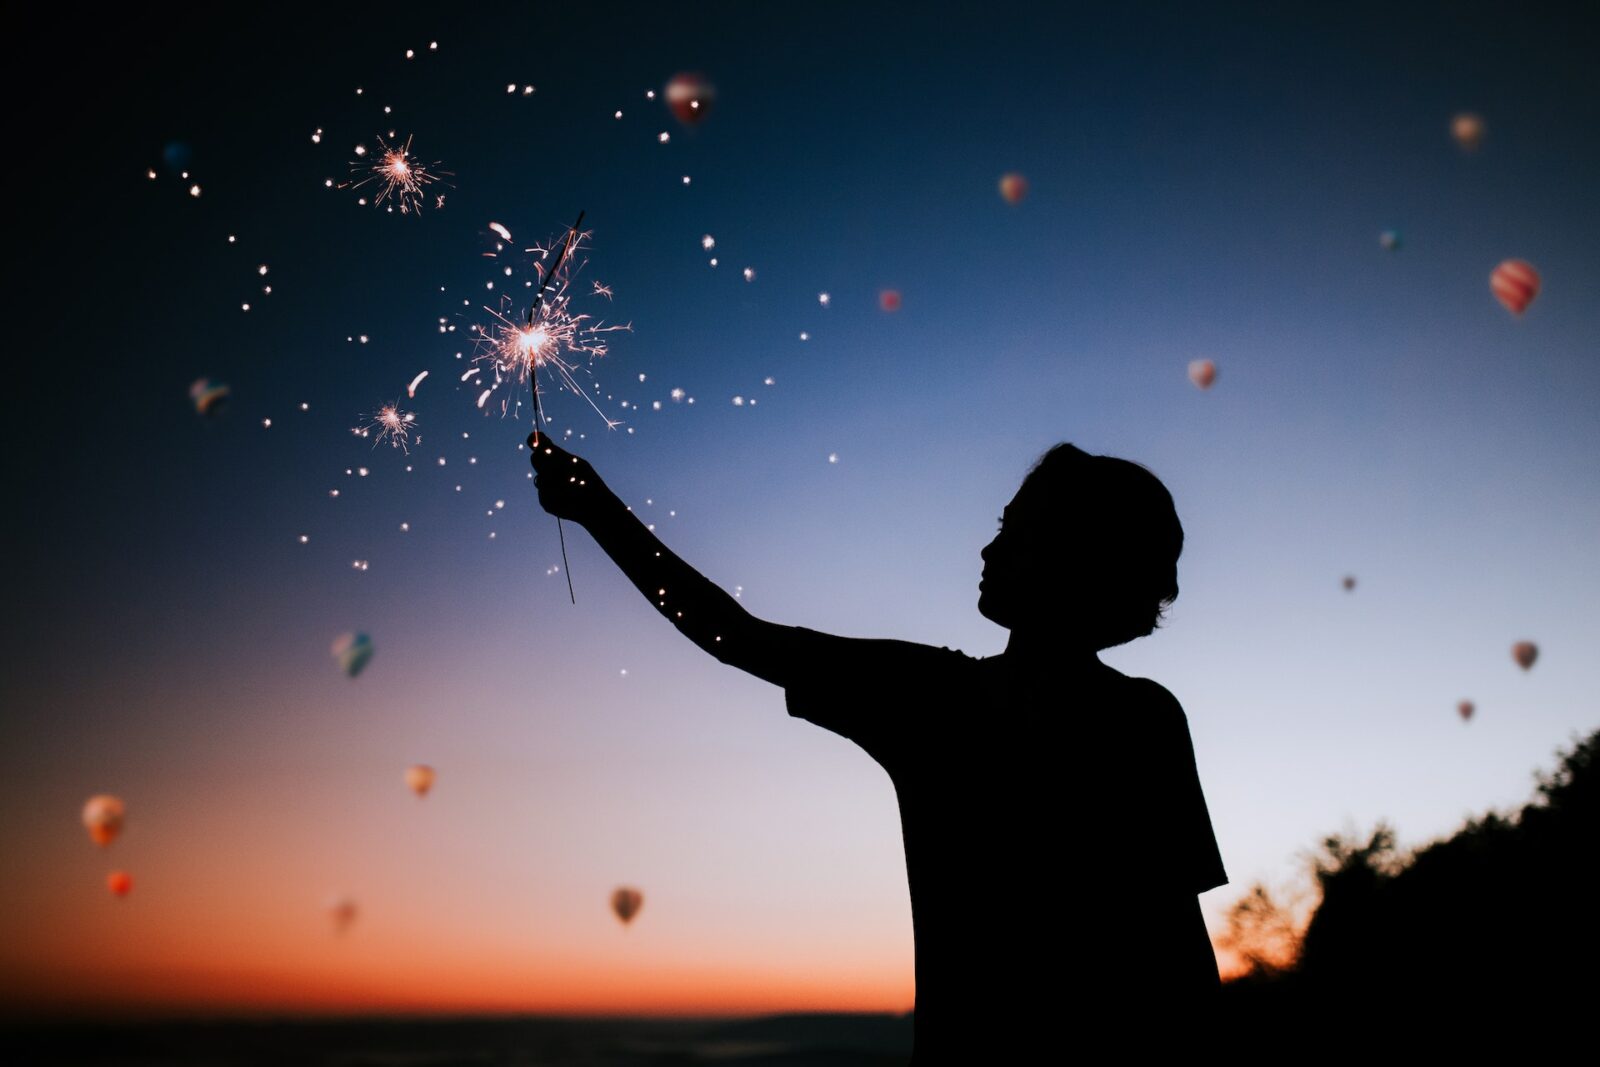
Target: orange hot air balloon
[[1465, 710], [1514, 283], [1468, 130], [889, 300], [690, 97], [103, 816], [1013, 187], [1202, 372], [420, 778], [1349, 582], [119, 882], [626, 903], [1525, 652]]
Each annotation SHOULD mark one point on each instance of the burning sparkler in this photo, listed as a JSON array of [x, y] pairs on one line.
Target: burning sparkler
[[398, 174], [553, 337]]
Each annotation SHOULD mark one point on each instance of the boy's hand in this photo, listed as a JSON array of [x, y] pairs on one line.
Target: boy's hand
[[568, 486]]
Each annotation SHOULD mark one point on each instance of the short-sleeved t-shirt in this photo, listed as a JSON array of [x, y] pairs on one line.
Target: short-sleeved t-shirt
[[1048, 813]]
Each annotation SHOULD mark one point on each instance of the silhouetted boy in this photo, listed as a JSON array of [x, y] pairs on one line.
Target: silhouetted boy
[[1056, 835]]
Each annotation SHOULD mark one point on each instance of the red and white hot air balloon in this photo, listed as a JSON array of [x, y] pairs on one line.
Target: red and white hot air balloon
[[1468, 130], [889, 300], [1013, 187], [102, 817], [119, 882], [626, 903], [690, 97], [1525, 652], [419, 777], [1465, 709], [1202, 372], [1515, 283]]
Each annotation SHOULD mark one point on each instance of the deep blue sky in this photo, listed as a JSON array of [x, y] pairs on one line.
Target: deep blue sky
[[1205, 183]]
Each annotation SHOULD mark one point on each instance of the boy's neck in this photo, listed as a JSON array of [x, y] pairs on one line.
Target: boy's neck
[[1054, 648]]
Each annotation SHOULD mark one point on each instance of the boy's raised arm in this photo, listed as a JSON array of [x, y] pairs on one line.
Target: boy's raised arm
[[569, 488]]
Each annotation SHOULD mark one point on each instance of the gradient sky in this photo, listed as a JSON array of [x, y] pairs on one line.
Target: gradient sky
[[1204, 184]]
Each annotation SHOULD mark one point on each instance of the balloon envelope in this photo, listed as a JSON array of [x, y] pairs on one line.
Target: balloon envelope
[[1525, 652], [1465, 710], [208, 396], [1349, 582], [352, 652], [889, 300], [690, 97], [1013, 187], [102, 817], [1202, 372], [1514, 283], [1389, 239], [1469, 131], [119, 882], [626, 903], [420, 778]]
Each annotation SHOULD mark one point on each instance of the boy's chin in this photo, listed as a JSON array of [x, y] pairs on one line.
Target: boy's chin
[[989, 609]]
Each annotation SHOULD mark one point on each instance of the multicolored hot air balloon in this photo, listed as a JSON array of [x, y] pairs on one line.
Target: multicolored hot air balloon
[[208, 396], [1202, 372], [103, 816], [889, 300], [419, 777], [1389, 240], [341, 912], [626, 903], [690, 97], [352, 651], [119, 882], [1525, 652], [1514, 283], [1013, 187], [1468, 130], [1465, 709]]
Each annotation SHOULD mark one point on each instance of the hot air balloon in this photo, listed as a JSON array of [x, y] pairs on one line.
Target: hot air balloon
[[690, 97], [420, 778], [352, 651], [626, 903], [119, 882], [1468, 130], [208, 396], [1465, 710], [889, 300], [1515, 283], [103, 815], [341, 911], [1525, 652], [1389, 240], [1349, 582], [1202, 372], [1013, 187]]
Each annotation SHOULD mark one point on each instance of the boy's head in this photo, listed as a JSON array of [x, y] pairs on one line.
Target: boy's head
[[1088, 548]]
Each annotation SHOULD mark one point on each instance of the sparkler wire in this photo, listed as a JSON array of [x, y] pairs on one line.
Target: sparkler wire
[[533, 381]]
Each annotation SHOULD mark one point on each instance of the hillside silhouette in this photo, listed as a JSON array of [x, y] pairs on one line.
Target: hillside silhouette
[[1492, 931]]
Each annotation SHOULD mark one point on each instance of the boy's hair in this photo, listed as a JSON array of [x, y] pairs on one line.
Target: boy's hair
[[1128, 527]]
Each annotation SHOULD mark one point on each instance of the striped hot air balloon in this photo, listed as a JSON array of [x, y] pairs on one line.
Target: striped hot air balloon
[[1515, 283]]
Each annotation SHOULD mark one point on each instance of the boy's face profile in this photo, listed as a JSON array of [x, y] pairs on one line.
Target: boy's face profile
[[1024, 566]]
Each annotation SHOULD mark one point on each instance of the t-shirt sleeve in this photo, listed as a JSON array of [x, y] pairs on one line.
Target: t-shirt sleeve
[[861, 687], [1191, 839]]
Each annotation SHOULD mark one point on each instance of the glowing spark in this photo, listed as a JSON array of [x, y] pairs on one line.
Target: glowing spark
[[663, 136], [411, 390], [504, 233], [833, 457], [618, 115], [823, 299], [151, 173], [677, 396], [194, 190], [392, 425], [603, 290], [398, 174], [708, 242], [749, 274]]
